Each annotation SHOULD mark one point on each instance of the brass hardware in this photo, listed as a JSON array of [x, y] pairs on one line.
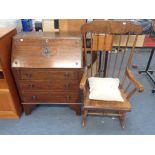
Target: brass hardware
[[68, 98], [28, 75], [46, 52], [46, 41], [66, 75], [31, 85], [67, 86], [34, 97]]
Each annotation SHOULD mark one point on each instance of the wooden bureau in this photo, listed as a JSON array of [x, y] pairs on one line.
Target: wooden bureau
[[47, 68]]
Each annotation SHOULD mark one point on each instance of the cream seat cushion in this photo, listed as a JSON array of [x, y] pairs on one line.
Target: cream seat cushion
[[104, 89]]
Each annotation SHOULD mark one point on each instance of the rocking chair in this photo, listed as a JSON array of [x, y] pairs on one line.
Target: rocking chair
[[107, 68]]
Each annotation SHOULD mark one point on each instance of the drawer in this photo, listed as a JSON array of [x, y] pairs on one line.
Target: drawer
[[64, 85], [27, 74], [52, 85], [51, 97], [63, 75], [34, 85], [44, 74]]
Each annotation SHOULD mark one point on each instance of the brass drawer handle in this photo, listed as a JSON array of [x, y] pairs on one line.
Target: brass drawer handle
[[66, 75], [29, 75], [68, 98], [31, 85], [34, 97], [46, 52], [67, 86]]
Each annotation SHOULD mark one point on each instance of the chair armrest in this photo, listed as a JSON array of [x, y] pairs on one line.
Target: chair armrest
[[137, 84], [84, 79]]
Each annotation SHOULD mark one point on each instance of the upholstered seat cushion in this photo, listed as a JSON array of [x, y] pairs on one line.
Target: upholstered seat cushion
[[106, 89]]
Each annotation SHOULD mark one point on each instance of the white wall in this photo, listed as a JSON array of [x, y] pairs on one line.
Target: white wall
[[11, 23], [8, 23]]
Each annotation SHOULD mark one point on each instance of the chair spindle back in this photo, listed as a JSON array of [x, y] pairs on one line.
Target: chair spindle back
[[112, 45]]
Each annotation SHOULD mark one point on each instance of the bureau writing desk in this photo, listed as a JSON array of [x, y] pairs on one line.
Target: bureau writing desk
[[47, 68]]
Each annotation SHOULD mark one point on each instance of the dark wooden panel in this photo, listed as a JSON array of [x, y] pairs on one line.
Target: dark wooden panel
[[64, 85], [43, 74], [60, 50], [51, 97], [9, 100], [40, 85]]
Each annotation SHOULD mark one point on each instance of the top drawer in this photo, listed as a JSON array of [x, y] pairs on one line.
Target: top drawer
[[47, 74]]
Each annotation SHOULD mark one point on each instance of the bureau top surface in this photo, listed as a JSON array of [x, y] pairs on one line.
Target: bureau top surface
[[49, 35], [5, 31], [47, 50]]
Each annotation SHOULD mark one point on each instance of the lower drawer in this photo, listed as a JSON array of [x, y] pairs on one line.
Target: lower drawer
[[47, 97]]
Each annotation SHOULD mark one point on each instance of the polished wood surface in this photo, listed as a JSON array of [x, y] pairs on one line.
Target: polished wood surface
[[3, 85], [9, 100], [44, 85], [47, 74], [108, 105], [6, 98], [1, 68], [47, 50], [115, 63], [139, 43], [59, 97], [47, 68], [111, 27], [4, 32], [46, 35]]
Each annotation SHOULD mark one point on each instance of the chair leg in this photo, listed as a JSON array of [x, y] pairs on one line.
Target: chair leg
[[85, 112], [122, 119]]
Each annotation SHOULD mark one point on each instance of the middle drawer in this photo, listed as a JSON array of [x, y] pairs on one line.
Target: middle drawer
[[39, 85], [47, 74]]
